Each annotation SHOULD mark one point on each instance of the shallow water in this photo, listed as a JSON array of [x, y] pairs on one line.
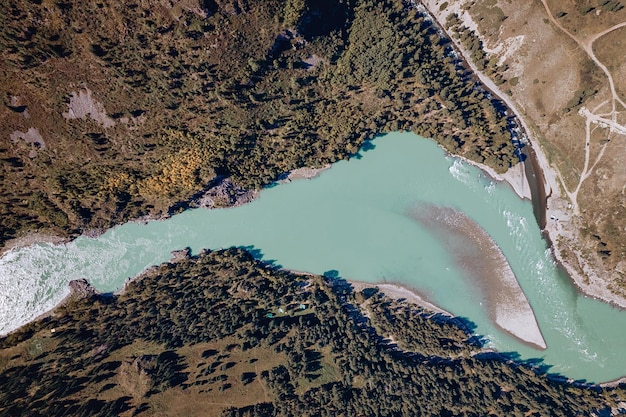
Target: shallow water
[[353, 219]]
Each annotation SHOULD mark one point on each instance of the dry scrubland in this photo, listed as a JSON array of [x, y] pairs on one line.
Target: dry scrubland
[[563, 64]]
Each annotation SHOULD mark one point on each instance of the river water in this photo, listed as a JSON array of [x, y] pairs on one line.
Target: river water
[[354, 220]]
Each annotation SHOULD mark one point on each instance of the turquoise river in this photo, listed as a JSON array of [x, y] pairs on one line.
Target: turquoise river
[[353, 219]]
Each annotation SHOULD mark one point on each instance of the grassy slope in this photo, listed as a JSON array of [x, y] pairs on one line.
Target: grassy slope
[[552, 78], [194, 91], [222, 334]]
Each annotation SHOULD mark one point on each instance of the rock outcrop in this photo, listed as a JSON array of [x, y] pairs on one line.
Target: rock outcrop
[[178, 255], [81, 288], [226, 194]]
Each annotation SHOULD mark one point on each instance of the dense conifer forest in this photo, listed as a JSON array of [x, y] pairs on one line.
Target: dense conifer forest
[[224, 334], [120, 110]]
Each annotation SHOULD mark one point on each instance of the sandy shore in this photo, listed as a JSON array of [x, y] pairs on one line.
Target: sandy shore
[[515, 177], [392, 290], [613, 384], [304, 173], [399, 292]]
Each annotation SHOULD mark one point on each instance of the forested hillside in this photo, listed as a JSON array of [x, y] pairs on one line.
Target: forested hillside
[[223, 334], [119, 110]]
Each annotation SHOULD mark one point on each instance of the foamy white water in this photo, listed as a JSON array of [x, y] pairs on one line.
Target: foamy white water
[[353, 219]]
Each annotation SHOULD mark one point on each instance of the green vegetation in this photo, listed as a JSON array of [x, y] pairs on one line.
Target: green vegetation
[[579, 98], [203, 90], [611, 5], [223, 334], [605, 5], [472, 43]]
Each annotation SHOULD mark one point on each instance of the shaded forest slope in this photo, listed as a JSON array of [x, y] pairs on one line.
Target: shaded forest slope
[[223, 334]]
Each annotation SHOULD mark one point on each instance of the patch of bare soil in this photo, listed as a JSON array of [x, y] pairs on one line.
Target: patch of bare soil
[[83, 105], [565, 70], [587, 18], [610, 50]]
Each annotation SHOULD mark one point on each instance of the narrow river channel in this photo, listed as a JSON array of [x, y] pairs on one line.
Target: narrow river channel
[[355, 219]]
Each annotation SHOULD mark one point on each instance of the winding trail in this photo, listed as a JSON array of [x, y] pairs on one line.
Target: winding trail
[[600, 120], [558, 208], [553, 178]]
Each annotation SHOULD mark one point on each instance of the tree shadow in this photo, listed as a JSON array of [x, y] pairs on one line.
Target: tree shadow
[[248, 377], [333, 275], [169, 371], [208, 353], [257, 254], [537, 365], [313, 360], [366, 146], [322, 17]]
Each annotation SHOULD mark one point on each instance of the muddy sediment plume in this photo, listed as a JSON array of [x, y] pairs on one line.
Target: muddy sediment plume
[[485, 266]]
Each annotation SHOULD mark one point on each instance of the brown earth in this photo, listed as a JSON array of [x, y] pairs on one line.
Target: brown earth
[[550, 56]]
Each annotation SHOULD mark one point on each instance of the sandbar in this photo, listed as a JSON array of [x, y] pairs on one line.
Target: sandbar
[[485, 267], [399, 292]]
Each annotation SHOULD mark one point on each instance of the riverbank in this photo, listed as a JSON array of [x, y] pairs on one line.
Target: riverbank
[[553, 211], [515, 177], [506, 303], [508, 323], [394, 290], [304, 173], [32, 239], [353, 221], [401, 292], [225, 190]]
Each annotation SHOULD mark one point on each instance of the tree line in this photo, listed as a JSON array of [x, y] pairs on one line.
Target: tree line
[[312, 346], [219, 90]]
